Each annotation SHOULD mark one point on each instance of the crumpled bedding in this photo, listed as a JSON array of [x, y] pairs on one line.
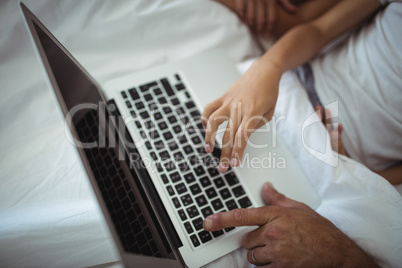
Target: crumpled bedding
[[48, 214]]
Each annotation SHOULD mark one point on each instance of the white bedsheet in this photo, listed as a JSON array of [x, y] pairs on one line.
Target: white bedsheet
[[48, 216]]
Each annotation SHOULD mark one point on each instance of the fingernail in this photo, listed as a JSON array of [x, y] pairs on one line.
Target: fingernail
[[234, 162], [266, 185], [208, 223], [207, 148], [222, 167]]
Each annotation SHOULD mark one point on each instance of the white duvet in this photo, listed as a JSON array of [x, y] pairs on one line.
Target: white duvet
[[48, 216]]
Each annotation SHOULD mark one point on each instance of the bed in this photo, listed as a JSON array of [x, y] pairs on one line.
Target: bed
[[48, 214]]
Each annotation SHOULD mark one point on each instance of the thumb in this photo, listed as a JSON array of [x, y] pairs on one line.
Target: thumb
[[273, 197]]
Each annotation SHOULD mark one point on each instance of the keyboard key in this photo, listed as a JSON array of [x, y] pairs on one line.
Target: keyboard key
[[185, 120], [245, 202], [138, 124], [159, 167], [187, 149], [189, 228], [192, 211], [219, 182], [166, 85], [180, 111], [177, 129], [162, 125], [213, 172], [186, 200], [199, 170], [231, 179], [231, 204], [196, 140], [169, 166], [229, 229], [152, 105], [162, 100], [181, 188], [158, 116], [164, 178], [172, 119], [146, 87], [153, 155], [133, 114], [238, 191], [134, 94], [148, 97], [167, 110], [180, 87], [124, 95], [149, 124], [217, 233], [183, 140], [170, 190], [195, 114], [189, 178], [157, 91], [205, 181], [178, 156], [201, 200], [205, 236], [159, 144], [177, 77], [154, 134], [207, 211], [144, 115], [164, 155], [198, 223], [148, 145], [190, 105], [211, 193], [175, 177], [128, 103], [195, 188], [195, 240], [176, 202], [225, 194], [139, 105], [217, 204], [182, 215], [143, 135], [175, 101], [183, 166], [168, 136], [173, 146]]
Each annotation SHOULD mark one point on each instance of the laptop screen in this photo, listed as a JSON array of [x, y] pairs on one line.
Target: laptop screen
[[127, 204]]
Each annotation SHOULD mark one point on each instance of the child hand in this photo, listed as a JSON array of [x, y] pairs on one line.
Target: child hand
[[247, 105]]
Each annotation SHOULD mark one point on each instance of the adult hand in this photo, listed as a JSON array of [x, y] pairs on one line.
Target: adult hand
[[247, 105], [290, 234], [261, 15]]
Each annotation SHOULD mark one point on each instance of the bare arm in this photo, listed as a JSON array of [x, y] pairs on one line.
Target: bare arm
[[304, 41], [250, 102], [280, 17]]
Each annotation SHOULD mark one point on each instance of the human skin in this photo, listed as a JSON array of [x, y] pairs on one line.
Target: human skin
[[291, 234], [250, 102]]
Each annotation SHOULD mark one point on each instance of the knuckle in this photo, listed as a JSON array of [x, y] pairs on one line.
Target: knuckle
[[239, 215]]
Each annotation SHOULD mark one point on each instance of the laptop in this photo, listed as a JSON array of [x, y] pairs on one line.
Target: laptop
[[141, 143]]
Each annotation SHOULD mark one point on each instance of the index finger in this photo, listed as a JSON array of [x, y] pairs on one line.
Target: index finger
[[238, 217]]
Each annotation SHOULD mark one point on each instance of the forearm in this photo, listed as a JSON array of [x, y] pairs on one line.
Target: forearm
[[393, 175], [304, 41]]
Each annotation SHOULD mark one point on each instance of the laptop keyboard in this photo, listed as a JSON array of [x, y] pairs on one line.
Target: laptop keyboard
[[124, 209], [169, 123]]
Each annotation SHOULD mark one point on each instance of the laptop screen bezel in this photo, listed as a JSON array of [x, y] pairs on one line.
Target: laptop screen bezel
[[30, 19]]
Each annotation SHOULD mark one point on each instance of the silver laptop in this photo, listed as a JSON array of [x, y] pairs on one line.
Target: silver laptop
[[140, 140]]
